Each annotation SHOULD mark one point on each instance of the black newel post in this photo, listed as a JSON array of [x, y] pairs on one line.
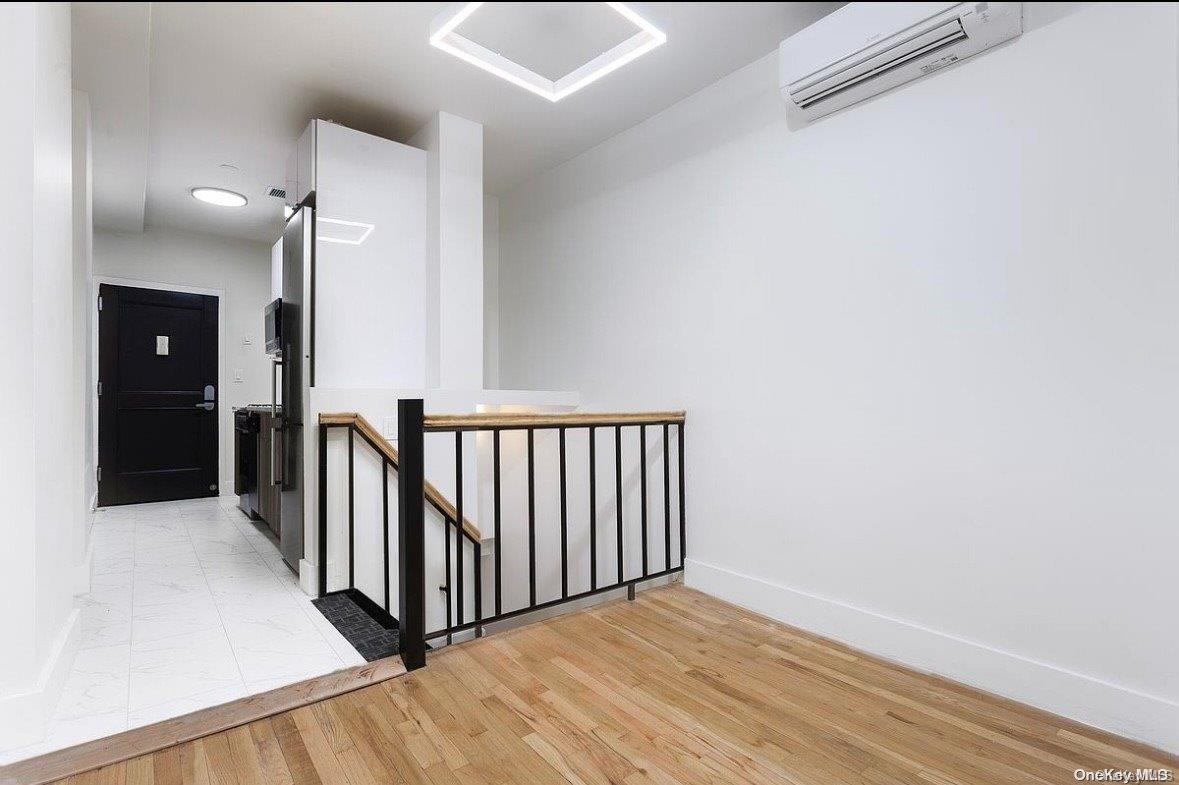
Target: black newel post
[[410, 533]]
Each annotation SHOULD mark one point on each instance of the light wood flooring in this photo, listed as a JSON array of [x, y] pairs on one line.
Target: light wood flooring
[[676, 687]]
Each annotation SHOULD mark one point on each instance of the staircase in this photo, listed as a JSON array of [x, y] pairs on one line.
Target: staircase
[[414, 493]]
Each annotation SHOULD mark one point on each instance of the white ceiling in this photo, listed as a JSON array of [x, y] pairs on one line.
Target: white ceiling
[[550, 39], [177, 90]]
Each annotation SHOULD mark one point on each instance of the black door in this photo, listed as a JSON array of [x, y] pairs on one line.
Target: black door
[[157, 404]]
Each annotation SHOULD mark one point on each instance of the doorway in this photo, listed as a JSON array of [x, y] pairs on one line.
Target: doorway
[[157, 395]]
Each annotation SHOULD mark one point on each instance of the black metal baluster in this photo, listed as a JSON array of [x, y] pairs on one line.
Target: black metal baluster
[[478, 587], [498, 542], [643, 491], [323, 523], [618, 494], [564, 522], [666, 501], [531, 523], [458, 523], [593, 500], [683, 548], [351, 516], [446, 552], [385, 522]]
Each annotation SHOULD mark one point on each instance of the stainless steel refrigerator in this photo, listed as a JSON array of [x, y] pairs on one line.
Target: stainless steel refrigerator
[[295, 361]]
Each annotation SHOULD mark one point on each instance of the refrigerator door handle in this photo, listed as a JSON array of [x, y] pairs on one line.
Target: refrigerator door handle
[[275, 425], [274, 363]]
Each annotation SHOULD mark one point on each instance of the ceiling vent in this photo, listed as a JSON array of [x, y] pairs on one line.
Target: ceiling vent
[[278, 193]]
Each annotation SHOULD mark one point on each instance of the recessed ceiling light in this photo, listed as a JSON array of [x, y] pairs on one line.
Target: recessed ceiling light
[[444, 37], [219, 197]]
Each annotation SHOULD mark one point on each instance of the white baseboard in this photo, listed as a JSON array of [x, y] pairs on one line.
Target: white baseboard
[[308, 578], [25, 715], [1092, 701]]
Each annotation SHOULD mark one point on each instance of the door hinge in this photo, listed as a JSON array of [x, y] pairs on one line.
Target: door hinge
[[100, 302], [100, 388], [99, 474]]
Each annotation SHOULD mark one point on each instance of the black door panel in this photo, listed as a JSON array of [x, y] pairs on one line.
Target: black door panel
[[157, 363], [143, 368]]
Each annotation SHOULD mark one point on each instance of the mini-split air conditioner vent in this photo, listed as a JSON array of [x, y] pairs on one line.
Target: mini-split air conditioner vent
[[869, 68], [864, 49], [278, 193]]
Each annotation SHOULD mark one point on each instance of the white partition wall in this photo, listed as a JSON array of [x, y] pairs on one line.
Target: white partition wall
[[398, 274], [370, 270], [370, 246], [40, 483]]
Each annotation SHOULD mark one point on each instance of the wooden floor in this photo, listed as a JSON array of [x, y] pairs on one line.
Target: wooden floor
[[674, 688]]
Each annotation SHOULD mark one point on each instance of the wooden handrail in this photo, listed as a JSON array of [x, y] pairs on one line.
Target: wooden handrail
[[461, 422], [433, 495]]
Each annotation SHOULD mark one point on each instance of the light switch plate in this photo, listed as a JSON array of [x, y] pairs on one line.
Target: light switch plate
[[389, 428], [247, 341], [162, 345], [238, 375]]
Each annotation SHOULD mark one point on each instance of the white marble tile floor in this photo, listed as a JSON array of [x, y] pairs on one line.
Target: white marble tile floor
[[190, 606]]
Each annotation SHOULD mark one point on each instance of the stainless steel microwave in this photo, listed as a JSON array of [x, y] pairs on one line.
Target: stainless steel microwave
[[274, 328]]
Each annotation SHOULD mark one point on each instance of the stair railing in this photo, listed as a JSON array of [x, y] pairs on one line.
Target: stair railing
[[391, 459], [412, 489]]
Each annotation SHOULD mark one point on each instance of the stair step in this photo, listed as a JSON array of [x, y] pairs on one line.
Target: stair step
[[363, 623]]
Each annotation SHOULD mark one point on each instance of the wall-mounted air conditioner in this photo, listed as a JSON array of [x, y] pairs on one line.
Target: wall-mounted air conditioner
[[866, 48]]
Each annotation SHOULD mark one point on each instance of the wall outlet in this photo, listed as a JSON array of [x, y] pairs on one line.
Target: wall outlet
[[247, 341]]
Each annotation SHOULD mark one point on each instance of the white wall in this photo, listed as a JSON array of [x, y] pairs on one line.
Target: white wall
[[239, 270], [927, 349], [491, 292], [369, 309], [454, 251], [84, 403], [42, 495], [16, 320]]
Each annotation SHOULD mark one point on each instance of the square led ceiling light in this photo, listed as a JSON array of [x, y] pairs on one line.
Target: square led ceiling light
[[444, 35]]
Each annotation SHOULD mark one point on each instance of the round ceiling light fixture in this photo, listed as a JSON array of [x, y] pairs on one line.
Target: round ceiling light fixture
[[219, 197]]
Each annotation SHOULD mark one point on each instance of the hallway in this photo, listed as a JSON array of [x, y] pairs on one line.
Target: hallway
[[190, 606]]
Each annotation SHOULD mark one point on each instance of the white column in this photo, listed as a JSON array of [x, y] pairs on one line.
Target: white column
[[454, 279], [491, 292]]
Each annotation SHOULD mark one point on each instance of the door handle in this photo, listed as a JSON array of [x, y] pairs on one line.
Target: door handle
[[210, 396]]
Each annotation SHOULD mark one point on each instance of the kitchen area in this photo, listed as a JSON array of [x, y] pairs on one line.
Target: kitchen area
[[257, 453], [268, 438]]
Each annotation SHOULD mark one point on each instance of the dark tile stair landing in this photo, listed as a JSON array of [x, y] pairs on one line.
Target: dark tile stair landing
[[363, 623]]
